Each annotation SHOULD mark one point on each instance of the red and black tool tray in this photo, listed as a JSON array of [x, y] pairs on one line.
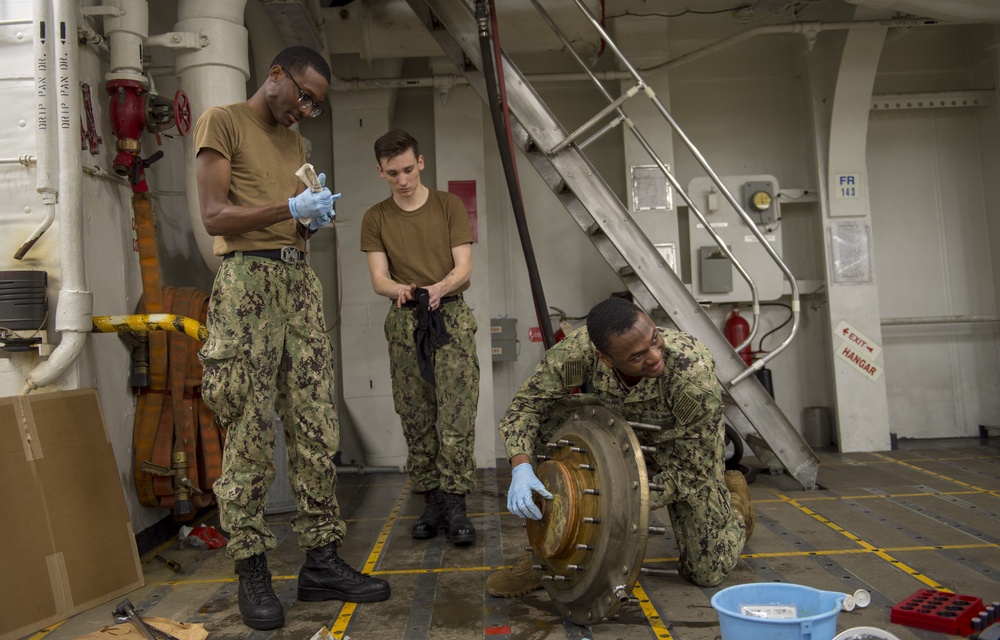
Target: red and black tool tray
[[938, 611]]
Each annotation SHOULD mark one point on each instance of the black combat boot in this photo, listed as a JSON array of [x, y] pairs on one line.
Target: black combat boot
[[258, 604], [461, 533], [325, 576], [433, 519]]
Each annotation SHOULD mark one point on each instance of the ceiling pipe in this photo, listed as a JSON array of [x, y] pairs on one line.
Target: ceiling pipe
[[215, 74], [444, 83]]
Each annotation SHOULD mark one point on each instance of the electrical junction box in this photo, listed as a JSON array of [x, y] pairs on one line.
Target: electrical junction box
[[713, 276], [503, 339], [716, 270]]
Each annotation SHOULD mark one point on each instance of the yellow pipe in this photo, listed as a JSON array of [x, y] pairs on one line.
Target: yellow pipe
[[150, 322]]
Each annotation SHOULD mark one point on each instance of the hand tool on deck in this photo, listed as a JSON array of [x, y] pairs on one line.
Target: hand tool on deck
[[171, 564], [125, 612]]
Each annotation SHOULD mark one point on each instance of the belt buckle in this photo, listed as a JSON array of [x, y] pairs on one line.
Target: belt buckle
[[290, 255]]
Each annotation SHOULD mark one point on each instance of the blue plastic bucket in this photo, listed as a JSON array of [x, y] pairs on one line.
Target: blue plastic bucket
[[815, 617]]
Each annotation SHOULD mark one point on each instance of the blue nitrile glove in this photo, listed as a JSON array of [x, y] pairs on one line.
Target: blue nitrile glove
[[519, 500], [312, 204], [322, 221]]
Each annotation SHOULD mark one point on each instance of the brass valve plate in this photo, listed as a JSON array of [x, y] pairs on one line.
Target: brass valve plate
[[591, 539]]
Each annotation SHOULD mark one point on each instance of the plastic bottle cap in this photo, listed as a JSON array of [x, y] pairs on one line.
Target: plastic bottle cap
[[862, 598], [848, 604]]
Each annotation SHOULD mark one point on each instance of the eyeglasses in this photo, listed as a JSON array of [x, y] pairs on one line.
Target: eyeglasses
[[305, 99]]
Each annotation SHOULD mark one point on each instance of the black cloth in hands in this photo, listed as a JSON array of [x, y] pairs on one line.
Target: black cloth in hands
[[429, 334]]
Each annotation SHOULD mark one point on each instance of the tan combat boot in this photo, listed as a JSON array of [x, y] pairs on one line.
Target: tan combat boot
[[739, 498], [514, 581]]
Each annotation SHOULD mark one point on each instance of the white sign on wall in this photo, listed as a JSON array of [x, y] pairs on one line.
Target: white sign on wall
[[847, 186], [859, 351], [859, 361], [860, 341], [848, 195]]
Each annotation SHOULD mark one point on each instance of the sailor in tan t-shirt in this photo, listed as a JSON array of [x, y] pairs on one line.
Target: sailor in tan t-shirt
[[267, 350], [419, 246]]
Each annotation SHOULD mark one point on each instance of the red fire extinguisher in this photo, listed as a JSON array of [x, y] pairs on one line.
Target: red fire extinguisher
[[737, 330]]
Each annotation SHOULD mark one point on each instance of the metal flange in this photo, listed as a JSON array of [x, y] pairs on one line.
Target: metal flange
[[591, 539]]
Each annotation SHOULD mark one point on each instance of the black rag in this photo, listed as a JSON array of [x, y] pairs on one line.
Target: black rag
[[429, 334]]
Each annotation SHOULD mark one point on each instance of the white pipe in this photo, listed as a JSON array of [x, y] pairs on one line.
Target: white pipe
[[214, 75], [45, 114], [44, 62], [25, 160], [75, 305], [914, 320], [127, 30]]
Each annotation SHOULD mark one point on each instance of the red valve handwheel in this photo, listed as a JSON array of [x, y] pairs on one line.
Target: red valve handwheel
[[182, 112]]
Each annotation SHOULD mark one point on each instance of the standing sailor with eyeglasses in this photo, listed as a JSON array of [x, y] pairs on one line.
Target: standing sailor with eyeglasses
[[267, 350]]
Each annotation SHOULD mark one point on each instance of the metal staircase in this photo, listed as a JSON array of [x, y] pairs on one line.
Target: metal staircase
[[559, 159]]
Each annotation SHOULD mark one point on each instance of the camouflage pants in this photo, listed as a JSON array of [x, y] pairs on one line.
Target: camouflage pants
[[266, 353], [446, 459], [710, 535]]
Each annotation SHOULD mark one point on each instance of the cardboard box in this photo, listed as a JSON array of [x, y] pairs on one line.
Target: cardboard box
[[65, 532]]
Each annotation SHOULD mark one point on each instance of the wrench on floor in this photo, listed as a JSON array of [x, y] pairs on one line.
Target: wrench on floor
[[125, 612]]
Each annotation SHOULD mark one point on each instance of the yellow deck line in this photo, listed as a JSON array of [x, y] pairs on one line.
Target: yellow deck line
[[652, 615], [46, 631], [347, 611], [758, 500], [844, 552], [939, 476], [881, 553], [647, 561]]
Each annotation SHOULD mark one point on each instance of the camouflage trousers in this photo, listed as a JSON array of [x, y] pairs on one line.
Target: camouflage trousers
[[709, 534], [439, 422], [266, 353]]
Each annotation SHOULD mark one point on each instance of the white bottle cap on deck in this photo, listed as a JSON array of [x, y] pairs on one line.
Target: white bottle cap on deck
[[862, 598], [848, 604]]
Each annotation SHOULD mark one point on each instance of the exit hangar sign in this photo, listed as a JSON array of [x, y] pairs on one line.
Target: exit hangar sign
[[858, 351]]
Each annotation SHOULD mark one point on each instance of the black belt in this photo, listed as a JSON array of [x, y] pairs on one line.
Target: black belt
[[288, 255], [412, 304]]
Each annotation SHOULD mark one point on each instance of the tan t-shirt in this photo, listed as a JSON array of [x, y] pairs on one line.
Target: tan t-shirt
[[418, 243], [263, 161]]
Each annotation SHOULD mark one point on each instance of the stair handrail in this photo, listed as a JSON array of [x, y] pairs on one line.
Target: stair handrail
[[642, 86], [623, 118]]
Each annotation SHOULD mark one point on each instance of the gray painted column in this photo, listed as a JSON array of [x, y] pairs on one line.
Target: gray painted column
[[860, 390]]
